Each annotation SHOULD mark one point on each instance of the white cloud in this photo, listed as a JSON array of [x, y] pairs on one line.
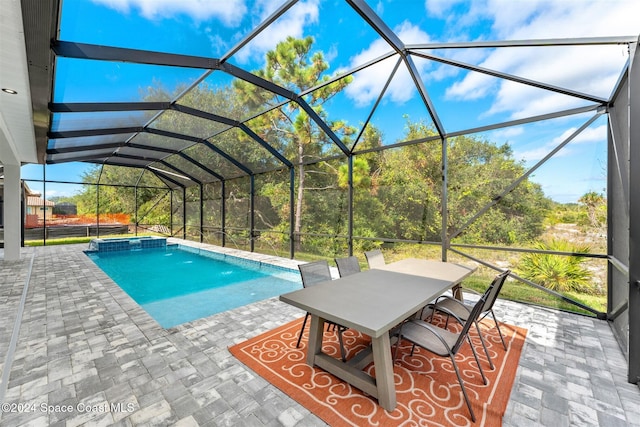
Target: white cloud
[[440, 8], [473, 86], [563, 67], [368, 84], [538, 153], [526, 101], [587, 136], [230, 12], [218, 44], [292, 23], [506, 133], [592, 70]]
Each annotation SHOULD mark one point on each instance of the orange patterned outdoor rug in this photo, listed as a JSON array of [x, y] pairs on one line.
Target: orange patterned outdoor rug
[[428, 392]]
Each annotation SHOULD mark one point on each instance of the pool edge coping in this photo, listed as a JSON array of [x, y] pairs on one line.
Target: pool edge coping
[[271, 260]]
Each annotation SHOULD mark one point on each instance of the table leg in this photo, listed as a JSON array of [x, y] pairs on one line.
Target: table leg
[[457, 292], [384, 372], [314, 346]]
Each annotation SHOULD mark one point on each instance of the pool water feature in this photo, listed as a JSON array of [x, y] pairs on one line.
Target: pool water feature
[[178, 284], [127, 243]]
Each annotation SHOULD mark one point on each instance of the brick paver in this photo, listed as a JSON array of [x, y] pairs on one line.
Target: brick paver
[[88, 355]]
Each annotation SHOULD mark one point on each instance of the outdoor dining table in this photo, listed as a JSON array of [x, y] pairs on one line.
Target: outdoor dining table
[[372, 302]]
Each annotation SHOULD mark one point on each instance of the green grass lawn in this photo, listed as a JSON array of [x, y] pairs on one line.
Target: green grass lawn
[[517, 291], [62, 241], [75, 240]]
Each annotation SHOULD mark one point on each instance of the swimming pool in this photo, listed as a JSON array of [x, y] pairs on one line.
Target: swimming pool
[[178, 284]]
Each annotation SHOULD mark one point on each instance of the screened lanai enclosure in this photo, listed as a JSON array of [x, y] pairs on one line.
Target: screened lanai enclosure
[[359, 131]]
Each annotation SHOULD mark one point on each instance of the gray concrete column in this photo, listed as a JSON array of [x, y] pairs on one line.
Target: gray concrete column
[[12, 212]]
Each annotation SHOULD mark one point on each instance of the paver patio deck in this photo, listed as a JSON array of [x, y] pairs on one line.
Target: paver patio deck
[[85, 346]]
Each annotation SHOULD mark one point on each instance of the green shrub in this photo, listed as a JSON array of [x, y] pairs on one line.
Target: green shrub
[[561, 273]]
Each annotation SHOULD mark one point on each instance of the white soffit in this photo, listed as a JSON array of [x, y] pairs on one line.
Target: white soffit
[[17, 138]]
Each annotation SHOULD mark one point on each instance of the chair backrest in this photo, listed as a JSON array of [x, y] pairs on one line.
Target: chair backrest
[[348, 265], [473, 316], [314, 272], [491, 294], [375, 258]]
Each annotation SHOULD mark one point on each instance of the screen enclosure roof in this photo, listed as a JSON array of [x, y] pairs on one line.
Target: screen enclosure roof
[[189, 98]]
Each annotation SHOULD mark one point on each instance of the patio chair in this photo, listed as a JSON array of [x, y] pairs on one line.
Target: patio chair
[[443, 343], [375, 258], [461, 310], [313, 273], [348, 265]]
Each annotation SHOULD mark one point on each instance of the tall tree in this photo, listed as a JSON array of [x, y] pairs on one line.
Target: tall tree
[[294, 66], [596, 205]]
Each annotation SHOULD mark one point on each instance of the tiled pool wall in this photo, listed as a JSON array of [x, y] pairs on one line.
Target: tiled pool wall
[[125, 244]]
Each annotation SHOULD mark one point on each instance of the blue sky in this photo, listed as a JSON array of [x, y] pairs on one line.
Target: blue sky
[[463, 99]]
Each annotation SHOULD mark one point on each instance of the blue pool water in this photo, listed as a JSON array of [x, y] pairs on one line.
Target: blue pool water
[[175, 285]]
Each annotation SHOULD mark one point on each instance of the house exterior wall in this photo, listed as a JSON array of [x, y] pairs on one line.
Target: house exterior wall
[[40, 211]]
